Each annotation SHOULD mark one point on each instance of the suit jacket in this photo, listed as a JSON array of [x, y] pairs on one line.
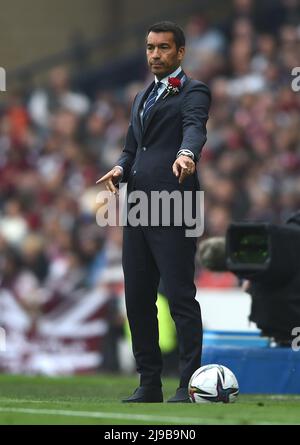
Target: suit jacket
[[175, 122]]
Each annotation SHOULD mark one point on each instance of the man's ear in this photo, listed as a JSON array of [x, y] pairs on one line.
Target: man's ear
[[181, 53]]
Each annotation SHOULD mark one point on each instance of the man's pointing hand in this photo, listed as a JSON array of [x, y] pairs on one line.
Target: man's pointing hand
[[183, 166], [111, 179]]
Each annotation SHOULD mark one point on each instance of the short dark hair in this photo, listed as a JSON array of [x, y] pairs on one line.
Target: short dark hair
[[166, 26]]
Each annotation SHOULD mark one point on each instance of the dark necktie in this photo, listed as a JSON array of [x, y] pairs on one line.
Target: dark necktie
[[151, 101]]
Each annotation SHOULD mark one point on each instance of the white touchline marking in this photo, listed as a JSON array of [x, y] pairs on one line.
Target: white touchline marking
[[104, 415], [141, 417], [284, 397]]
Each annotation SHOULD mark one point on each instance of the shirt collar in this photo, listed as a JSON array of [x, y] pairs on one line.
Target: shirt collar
[[165, 79]]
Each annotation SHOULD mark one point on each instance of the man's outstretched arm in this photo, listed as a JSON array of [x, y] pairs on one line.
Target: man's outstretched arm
[[129, 151], [122, 169], [194, 117], [195, 108], [128, 154]]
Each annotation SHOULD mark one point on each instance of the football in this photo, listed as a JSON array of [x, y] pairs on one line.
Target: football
[[213, 383]]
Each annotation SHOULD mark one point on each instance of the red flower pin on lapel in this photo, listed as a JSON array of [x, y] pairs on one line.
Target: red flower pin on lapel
[[173, 86]]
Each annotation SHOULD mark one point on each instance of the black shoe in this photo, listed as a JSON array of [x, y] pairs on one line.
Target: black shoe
[[181, 396], [145, 394]]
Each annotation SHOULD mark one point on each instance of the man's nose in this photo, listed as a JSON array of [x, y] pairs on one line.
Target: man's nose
[[156, 53]]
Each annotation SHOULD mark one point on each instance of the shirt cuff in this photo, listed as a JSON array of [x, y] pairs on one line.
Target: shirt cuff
[[185, 152], [122, 171]]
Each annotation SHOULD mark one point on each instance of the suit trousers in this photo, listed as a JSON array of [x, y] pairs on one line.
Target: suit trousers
[[151, 253]]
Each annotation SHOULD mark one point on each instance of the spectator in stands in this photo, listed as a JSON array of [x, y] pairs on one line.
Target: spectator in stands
[[45, 102]]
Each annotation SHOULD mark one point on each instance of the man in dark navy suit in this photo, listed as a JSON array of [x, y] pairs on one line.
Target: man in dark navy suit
[[165, 137]]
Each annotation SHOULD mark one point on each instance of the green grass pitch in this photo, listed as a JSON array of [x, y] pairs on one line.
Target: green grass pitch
[[26, 400]]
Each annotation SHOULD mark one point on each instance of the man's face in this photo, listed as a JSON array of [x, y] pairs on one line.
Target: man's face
[[162, 54]]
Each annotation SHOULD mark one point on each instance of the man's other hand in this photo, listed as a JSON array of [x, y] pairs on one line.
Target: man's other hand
[[111, 179], [183, 166]]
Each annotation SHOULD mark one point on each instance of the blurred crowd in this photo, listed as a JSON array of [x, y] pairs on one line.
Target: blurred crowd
[[56, 142]]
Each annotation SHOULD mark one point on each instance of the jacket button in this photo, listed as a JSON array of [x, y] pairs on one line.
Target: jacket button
[[144, 148], [134, 172]]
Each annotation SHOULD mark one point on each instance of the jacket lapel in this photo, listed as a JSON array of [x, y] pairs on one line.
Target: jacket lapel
[[159, 101], [152, 112], [139, 105]]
